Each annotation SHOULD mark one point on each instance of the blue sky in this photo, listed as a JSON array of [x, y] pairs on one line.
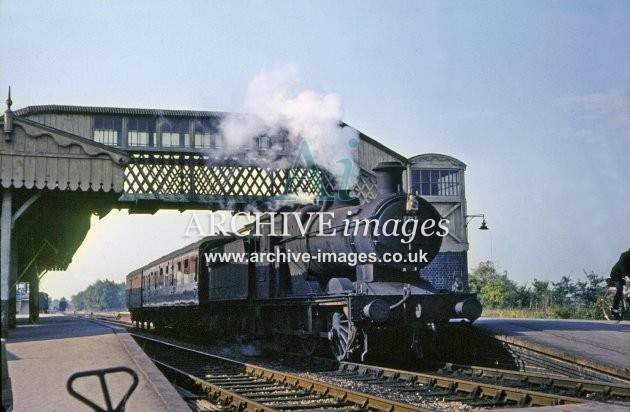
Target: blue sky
[[534, 96]]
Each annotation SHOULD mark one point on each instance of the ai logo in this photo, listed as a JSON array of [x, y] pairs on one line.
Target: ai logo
[[313, 174]]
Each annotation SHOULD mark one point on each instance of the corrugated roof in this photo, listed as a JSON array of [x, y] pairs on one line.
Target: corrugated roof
[[65, 109], [55, 108]]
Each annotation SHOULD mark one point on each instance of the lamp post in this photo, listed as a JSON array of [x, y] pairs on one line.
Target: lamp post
[[484, 226]]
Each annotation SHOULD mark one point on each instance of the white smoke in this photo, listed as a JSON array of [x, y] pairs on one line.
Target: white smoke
[[276, 104]]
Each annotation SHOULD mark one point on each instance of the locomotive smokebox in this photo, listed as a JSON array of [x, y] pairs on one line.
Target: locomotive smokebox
[[398, 233], [389, 177]]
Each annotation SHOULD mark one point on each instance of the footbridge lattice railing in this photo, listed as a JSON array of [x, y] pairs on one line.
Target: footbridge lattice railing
[[179, 178]]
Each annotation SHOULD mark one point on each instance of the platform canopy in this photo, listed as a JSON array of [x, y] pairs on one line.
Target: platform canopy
[[57, 180]]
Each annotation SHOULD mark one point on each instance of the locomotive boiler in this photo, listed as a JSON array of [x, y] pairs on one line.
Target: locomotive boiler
[[341, 272]]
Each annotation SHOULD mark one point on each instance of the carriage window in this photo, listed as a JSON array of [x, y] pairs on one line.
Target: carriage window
[[193, 265], [108, 130], [179, 266], [435, 182]]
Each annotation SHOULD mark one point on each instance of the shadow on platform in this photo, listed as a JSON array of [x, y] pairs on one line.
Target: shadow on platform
[[50, 327]]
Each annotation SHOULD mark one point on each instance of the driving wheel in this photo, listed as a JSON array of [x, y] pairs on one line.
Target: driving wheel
[[341, 336]]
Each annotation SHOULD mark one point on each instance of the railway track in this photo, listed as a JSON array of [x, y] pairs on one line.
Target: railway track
[[588, 389], [249, 387], [244, 387], [538, 382], [468, 385], [536, 389]]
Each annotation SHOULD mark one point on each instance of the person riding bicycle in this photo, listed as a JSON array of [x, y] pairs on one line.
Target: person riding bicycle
[[619, 273]]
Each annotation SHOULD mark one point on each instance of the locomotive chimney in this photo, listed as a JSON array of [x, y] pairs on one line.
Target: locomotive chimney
[[389, 177]]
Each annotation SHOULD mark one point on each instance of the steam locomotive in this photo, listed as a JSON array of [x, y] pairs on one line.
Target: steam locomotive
[[378, 300]]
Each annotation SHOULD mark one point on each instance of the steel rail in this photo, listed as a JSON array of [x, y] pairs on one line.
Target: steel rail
[[116, 322], [363, 400], [225, 389], [482, 391], [216, 393], [427, 385], [577, 387], [582, 386]]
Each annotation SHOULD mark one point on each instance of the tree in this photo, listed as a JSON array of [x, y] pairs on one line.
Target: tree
[[522, 296], [495, 289], [78, 301], [540, 294], [564, 290], [101, 295], [590, 290]]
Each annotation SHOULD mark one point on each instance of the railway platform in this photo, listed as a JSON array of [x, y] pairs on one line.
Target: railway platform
[[600, 345], [43, 356]]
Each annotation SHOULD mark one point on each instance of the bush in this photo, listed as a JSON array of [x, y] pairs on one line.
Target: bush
[[564, 299], [562, 312]]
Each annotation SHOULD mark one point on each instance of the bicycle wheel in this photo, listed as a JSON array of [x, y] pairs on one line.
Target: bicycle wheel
[[606, 302], [625, 305]]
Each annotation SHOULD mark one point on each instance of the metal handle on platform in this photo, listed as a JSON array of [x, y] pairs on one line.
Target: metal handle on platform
[[101, 376]]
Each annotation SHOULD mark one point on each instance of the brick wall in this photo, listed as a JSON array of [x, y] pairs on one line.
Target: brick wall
[[446, 265]]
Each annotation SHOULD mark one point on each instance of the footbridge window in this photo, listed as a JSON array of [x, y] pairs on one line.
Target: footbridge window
[[141, 132], [207, 135], [108, 130], [175, 133]]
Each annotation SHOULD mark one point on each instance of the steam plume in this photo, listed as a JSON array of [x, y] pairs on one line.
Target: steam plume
[[277, 106]]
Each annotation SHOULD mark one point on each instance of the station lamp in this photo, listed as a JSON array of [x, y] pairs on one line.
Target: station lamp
[[483, 226]]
